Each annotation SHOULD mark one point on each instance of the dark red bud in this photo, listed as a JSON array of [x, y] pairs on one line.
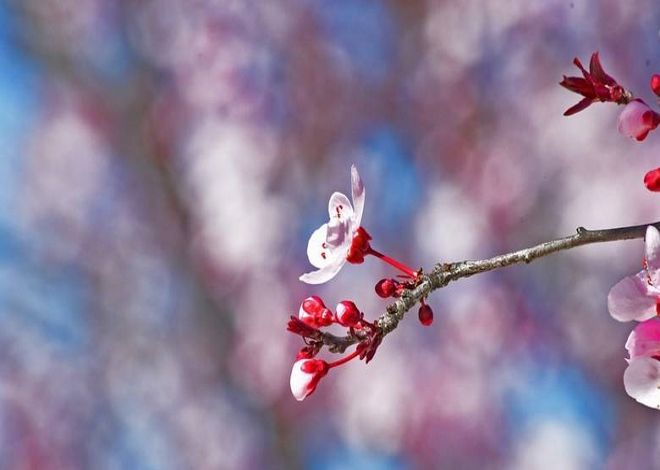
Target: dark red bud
[[425, 315], [386, 288], [652, 180], [655, 84]]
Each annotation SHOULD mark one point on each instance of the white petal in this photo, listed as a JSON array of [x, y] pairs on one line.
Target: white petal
[[642, 381], [340, 208], [300, 380], [325, 273], [339, 234], [315, 248], [652, 248], [632, 299], [357, 192]]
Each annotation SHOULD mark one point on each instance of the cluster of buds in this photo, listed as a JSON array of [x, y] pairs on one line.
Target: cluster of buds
[[312, 316], [637, 118], [339, 241]]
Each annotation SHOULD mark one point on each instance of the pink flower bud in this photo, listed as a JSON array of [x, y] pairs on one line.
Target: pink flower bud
[[637, 120], [305, 376], [652, 180], [386, 288], [425, 315], [655, 84], [347, 313], [314, 312]]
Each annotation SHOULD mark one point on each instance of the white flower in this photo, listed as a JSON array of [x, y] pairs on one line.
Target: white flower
[[329, 245]]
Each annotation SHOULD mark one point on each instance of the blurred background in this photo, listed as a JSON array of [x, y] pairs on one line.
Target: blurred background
[[163, 163]]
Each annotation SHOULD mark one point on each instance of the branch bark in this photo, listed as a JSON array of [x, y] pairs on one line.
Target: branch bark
[[444, 273]]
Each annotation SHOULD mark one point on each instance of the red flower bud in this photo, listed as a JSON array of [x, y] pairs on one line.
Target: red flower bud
[[386, 288], [652, 180], [347, 314], [313, 304], [425, 315], [655, 84], [314, 312]]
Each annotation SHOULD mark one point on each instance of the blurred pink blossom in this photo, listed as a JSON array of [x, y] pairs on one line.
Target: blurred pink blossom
[[642, 376], [635, 297]]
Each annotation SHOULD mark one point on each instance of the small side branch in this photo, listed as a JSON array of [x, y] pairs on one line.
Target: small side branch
[[444, 273]]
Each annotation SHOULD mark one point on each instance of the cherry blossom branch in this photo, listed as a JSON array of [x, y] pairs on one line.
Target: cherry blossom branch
[[444, 273]]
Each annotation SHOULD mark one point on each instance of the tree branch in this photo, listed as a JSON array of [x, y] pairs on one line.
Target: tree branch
[[444, 273]]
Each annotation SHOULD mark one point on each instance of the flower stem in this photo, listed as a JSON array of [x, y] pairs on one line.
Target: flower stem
[[400, 266], [343, 360]]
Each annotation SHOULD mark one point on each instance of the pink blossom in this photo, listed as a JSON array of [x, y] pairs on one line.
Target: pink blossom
[[641, 378], [329, 245], [637, 120], [305, 376], [636, 297]]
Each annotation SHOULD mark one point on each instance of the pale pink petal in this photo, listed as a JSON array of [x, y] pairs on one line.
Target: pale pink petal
[[642, 381], [300, 381], [317, 250], [652, 248], [325, 273], [357, 192], [632, 299], [340, 208], [636, 120]]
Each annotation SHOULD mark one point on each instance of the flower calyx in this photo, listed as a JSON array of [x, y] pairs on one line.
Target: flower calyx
[[594, 85]]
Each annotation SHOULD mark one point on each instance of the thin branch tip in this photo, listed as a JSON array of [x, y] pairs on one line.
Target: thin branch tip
[[444, 273]]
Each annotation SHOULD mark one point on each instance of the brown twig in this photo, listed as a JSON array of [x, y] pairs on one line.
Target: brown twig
[[444, 273]]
